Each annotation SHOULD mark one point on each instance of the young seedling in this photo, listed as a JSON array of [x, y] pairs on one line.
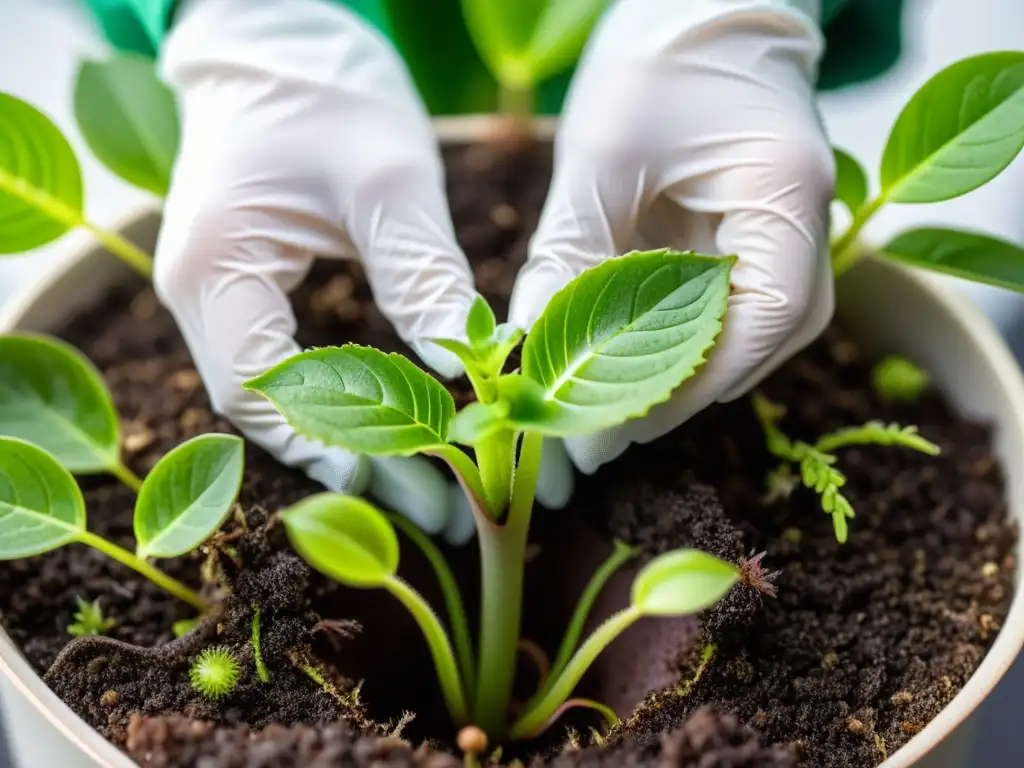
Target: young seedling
[[184, 500], [896, 379], [89, 619], [613, 343], [129, 120], [816, 462], [215, 672], [523, 44], [959, 131]]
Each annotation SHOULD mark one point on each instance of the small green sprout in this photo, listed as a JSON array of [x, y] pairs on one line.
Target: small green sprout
[[816, 462], [616, 341], [89, 619], [214, 673], [184, 626], [257, 652], [896, 379]]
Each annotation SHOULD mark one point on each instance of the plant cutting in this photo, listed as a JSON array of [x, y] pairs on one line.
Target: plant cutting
[[614, 342], [816, 574]]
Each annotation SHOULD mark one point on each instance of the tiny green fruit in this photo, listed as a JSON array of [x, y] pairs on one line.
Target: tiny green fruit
[[215, 672], [897, 379]]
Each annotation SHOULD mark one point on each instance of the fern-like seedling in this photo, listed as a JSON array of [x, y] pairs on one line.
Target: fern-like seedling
[[214, 673], [89, 619], [817, 462]]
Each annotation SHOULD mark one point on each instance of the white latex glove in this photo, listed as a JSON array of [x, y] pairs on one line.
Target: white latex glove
[[692, 125], [302, 134]]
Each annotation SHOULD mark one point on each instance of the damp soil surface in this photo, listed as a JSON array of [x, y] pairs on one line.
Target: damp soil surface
[[836, 660]]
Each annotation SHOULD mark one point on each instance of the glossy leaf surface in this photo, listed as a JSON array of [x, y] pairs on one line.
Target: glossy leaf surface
[[51, 395], [851, 181], [360, 399], [970, 255], [188, 495], [617, 340], [40, 180], [129, 119], [345, 538], [682, 581], [41, 507], [960, 130]]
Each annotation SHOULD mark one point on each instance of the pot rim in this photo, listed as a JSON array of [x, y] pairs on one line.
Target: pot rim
[[959, 311]]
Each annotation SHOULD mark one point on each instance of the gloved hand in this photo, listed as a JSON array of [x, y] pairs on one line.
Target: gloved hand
[[302, 134], [693, 125]]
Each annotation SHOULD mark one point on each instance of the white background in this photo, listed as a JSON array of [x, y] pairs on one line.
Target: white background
[[41, 42]]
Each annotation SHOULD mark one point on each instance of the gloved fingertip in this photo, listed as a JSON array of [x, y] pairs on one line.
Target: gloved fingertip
[[556, 480], [341, 472], [439, 360], [461, 526], [411, 487], [536, 284], [592, 452]]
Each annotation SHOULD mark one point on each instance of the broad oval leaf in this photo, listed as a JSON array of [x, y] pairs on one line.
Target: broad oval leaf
[[345, 538], [360, 399], [41, 507], [40, 180], [480, 323], [188, 495], [682, 581], [54, 397], [527, 41], [617, 340], [960, 130], [969, 255], [851, 181], [129, 119]]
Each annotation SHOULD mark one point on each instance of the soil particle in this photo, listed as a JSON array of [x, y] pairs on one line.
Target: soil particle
[[863, 644]]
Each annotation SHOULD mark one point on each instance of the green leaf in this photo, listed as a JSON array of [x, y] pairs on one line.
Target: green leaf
[[89, 619], [54, 397], [960, 130], [527, 41], [969, 255], [345, 538], [40, 181], [129, 119], [682, 581], [851, 181], [618, 340], [360, 399], [188, 495], [478, 421], [480, 323], [41, 507]]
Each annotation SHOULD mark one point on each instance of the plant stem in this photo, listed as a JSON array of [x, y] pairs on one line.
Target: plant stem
[[139, 565], [452, 598], [60, 211], [126, 476], [127, 251], [620, 556], [602, 709], [440, 646], [516, 101], [257, 653], [540, 711], [496, 457], [844, 251], [502, 560]]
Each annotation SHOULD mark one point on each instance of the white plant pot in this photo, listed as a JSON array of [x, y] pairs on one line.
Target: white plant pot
[[889, 309]]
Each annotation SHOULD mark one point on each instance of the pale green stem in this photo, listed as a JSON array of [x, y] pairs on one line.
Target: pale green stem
[[540, 712], [59, 211], [619, 557], [496, 457], [452, 597], [440, 646], [126, 476], [139, 565], [602, 709], [502, 560], [845, 252], [257, 645], [516, 101]]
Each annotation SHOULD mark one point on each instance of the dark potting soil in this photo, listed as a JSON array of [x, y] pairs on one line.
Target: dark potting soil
[[836, 660]]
